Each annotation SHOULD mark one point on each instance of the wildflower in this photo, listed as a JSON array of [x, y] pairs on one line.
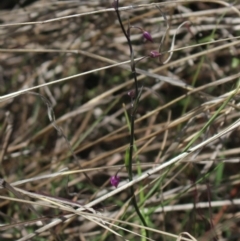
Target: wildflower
[[154, 54], [147, 36], [114, 180]]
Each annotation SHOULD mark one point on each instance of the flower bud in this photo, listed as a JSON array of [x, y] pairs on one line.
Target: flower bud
[[131, 93], [154, 54], [114, 180], [147, 36]]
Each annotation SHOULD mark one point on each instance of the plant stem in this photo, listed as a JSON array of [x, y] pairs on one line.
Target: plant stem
[[130, 48], [133, 110]]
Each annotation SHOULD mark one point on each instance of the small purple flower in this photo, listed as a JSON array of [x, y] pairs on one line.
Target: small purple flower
[[147, 36], [154, 54], [114, 180]]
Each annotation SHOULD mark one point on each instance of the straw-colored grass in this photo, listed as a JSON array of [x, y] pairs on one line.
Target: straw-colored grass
[[65, 74]]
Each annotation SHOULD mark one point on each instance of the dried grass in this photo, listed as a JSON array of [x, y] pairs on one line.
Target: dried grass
[[75, 58]]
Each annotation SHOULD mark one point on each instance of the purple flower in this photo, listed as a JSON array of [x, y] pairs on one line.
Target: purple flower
[[147, 36], [154, 54], [114, 180]]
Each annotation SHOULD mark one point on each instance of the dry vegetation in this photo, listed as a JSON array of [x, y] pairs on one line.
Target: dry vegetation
[[70, 59]]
